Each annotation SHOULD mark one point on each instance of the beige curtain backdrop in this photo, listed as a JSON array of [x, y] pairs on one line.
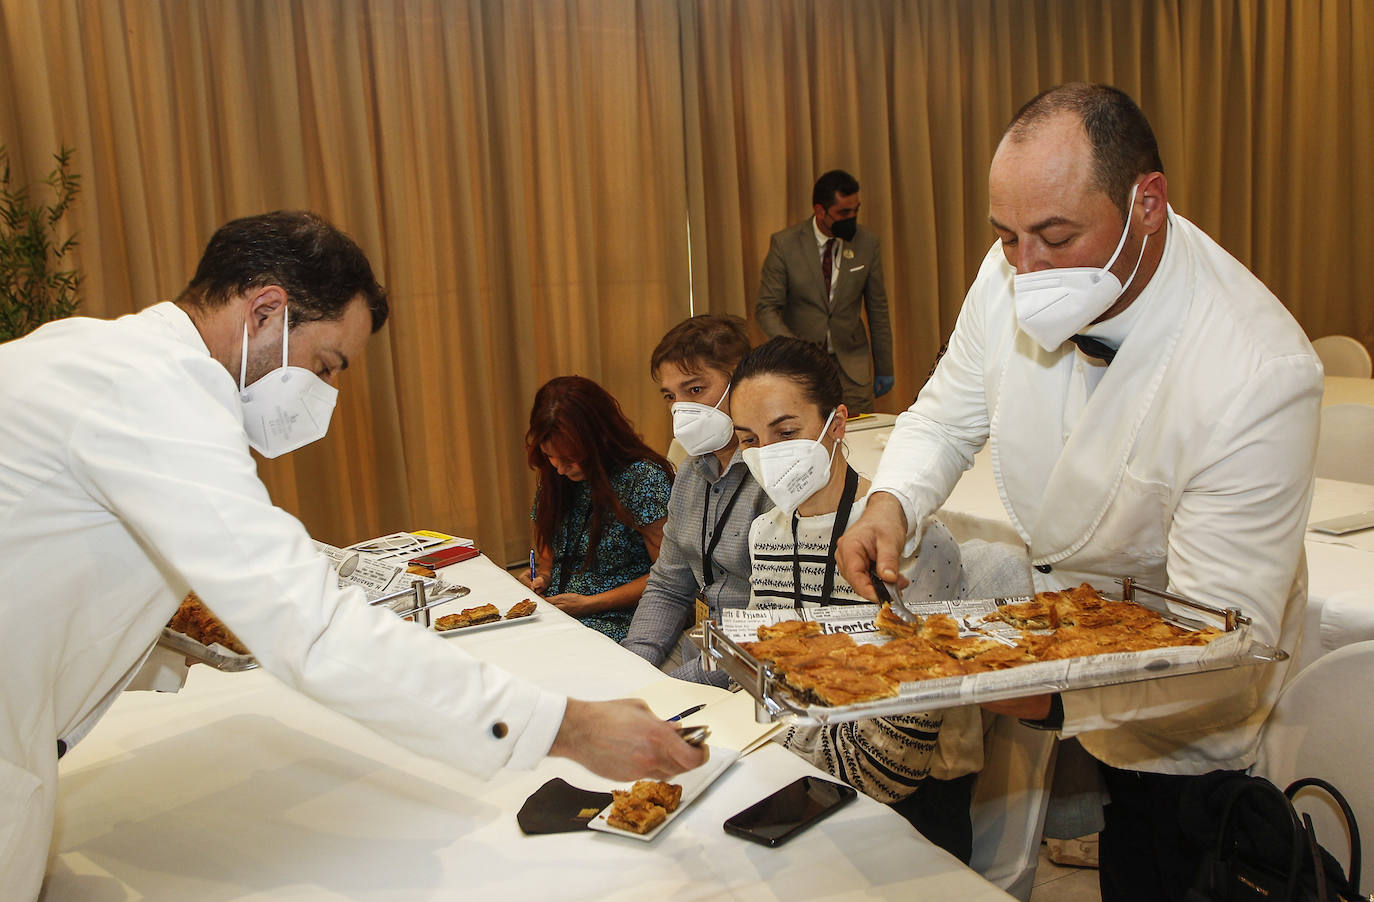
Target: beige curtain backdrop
[[513, 169], [1264, 113], [546, 186]]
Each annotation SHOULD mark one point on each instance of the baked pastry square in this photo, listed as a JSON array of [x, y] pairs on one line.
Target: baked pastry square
[[468, 617], [521, 609]]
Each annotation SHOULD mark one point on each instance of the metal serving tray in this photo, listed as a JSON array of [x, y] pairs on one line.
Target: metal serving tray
[[217, 656], [414, 602], [775, 700]]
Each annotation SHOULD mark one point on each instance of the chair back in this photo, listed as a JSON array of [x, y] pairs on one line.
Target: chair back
[[1342, 355], [1346, 447], [676, 453], [1323, 726]]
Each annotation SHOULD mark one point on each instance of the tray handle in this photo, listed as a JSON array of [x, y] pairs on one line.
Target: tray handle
[[1231, 617]]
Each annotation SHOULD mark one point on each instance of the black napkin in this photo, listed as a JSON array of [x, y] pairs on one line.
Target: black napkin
[[560, 807]]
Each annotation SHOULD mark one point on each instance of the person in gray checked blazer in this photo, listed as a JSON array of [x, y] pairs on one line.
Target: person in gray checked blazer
[[818, 276]]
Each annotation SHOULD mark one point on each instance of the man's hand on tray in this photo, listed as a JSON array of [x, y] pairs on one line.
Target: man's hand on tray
[[876, 540], [623, 740]]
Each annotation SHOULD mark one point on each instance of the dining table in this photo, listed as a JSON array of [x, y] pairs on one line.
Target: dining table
[[239, 788], [1348, 390]]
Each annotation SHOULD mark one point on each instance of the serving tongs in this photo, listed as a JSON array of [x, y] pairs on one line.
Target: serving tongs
[[420, 610], [891, 595], [694, 735]]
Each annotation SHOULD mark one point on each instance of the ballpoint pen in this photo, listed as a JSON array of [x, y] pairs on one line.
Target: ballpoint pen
[[688, 713], [534, 567]]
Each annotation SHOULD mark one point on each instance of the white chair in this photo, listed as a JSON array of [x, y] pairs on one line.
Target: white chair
[[1342, 355], [1346, 448], [676, 454], [1323, 726]]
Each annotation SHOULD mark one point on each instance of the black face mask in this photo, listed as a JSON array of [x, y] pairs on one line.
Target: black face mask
[[845, 229]]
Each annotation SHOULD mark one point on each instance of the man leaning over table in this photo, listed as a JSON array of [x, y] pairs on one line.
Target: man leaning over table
[[1180, 454], [126, 480]]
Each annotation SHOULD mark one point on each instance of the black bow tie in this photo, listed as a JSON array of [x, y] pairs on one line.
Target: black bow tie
[[1094, 348]]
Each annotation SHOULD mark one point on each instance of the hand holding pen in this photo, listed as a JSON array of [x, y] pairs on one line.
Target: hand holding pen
[[533, 579]]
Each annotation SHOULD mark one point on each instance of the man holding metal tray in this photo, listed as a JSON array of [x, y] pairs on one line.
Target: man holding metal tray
[[1152, 410], [126, 480]]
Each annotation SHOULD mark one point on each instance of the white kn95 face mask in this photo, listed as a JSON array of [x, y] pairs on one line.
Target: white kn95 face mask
[[286, 409], [792, 471], [1054, 304], [702, 428]]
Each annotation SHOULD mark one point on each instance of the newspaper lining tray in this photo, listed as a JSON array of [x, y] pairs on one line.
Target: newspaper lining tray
[[775, 700]]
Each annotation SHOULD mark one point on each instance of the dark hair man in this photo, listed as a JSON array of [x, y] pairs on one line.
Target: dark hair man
[[819, 277], [125, 481]]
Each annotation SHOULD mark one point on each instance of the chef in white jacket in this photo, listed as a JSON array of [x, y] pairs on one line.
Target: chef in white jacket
[[1181, 454], [126, 480]]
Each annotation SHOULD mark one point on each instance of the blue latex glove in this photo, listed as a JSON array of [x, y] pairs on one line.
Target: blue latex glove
[[882, 385]]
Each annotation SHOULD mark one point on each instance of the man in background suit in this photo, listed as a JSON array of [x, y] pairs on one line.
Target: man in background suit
[[814, 278]]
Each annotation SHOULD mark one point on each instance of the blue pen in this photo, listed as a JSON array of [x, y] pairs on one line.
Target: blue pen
[[534, 567]]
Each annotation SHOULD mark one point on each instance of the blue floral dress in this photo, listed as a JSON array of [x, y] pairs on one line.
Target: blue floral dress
[[621, 556]]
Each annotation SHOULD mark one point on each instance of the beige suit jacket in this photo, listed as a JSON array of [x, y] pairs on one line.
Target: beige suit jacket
[[792, 299]]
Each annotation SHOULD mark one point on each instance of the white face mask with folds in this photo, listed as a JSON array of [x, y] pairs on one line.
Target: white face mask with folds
[[792, 471], [1054, 304], [702, 428], [287, 408]]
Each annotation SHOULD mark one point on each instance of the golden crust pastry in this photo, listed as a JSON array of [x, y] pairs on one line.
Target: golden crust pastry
[[1027, 615], [635, 815], [834, 670], [789, 628], [892, 623], [665, 795], [468, 617], [521, 609], [194, 619], [644, 806], [939, 626]]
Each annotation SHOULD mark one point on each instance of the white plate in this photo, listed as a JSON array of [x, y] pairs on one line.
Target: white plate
[[693, 783], [489, 625]]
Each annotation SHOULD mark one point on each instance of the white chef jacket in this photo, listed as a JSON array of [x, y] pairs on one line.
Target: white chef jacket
[[1190, 465], [125, 481]]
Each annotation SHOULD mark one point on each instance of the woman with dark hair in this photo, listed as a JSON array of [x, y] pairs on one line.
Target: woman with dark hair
[[790, 418], [600, 505]]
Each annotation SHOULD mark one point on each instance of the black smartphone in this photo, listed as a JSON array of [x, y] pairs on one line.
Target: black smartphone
[[774, 820]]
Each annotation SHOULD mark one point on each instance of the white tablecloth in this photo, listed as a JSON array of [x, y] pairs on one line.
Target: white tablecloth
[[238, 788], [1347, 390]]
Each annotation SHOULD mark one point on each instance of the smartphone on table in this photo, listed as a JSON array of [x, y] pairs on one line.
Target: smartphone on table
[[777, 818]]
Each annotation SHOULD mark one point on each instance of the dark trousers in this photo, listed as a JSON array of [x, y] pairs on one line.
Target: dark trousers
[[1142, 854], [939, 809]]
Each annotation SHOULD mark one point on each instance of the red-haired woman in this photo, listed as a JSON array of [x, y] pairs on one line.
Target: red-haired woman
[[600, 506]]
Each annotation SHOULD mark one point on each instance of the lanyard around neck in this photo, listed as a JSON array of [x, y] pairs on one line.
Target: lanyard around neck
[[708, 575], [851, 489]]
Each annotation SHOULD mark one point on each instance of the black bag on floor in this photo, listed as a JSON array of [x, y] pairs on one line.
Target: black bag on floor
[[1254, 847]]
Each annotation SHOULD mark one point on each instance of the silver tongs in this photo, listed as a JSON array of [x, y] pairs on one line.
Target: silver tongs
[[694, 735], [889, 593]]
